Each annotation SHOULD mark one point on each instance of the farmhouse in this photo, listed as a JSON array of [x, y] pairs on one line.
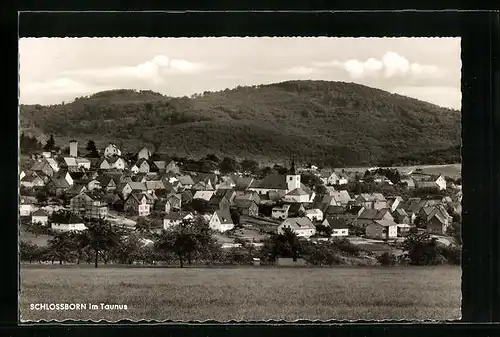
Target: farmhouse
[[85, 205], [303, 227], [66, 221], [339, 227], [217, 202], [368, 216], [371, 201], [174, 219], [382, 229], [40, 217], [205, 195], [144, 153], [221, 221], [314, 214], [246, 207], [138, 204], [280, 212], [112, 150], [142, 166]]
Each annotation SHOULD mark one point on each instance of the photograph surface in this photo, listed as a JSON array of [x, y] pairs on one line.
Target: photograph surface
[[239, 179]]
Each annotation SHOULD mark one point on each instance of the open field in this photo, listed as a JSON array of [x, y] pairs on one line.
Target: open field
[[252, 293], [449, 170]]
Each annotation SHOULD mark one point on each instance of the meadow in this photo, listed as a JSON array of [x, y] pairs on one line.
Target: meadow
[[244, 293]]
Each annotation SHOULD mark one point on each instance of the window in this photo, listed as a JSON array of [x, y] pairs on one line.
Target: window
[[291, 178]]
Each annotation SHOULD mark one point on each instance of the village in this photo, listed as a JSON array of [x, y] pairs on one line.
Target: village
[[153, 192]]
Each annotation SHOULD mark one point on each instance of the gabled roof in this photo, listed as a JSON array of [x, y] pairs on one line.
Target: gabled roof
[[77, 189], [385, 223], [373, 214], [341, 196], [284, 207], [273, 181], [336, 223], [206, 195], [243, 203], [105, 180], [155, 185], [39, 212], [295, 207], [224, 217], [141, 161], [333, 209], [300, 223], [215, 199], [137, 186], [372, 196], [70, 161], [60, 183], [297, 191], [160, 164], [186, 180], [314, 211]]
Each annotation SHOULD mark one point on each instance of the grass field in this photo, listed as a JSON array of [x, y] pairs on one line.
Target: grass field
[[251, 294]]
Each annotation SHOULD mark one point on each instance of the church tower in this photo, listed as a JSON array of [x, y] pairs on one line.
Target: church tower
[[292, 178]]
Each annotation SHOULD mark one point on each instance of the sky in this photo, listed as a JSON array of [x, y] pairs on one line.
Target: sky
[[55, 70]]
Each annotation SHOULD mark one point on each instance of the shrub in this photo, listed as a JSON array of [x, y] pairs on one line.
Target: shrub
[[387, 259]]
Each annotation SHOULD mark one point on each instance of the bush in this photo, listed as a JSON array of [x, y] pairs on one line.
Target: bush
[[452, 253], [324, 254], [387, 259], [345, 246]]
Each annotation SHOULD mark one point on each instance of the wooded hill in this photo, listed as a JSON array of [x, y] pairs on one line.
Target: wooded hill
[[326, 123]]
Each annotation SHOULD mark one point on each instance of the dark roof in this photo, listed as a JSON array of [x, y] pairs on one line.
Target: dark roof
[[373, 214], [336, 223], [224, 216], [273, 181], [332, 209], [215, 200], [40, 212], [294, 208], [66, 218], [243, 203]]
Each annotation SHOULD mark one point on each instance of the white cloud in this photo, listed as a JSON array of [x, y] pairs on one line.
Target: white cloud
[[390, 65]]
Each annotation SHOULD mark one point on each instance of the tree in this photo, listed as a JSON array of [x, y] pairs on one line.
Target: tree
[[128, 249], [143, 225], [235, 216], [228, 165], [323, 254], [42, 196], [324, 230], [212, 157], [187, 239], [282, 245], [250, 165], [50, 144], [38, 228], [28, 251], [199, 205], [101, 237], [387, 259], [422, 250], [91, 150], [61, 247]]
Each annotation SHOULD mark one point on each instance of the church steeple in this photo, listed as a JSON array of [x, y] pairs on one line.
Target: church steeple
[[292, 178], [292, 170]]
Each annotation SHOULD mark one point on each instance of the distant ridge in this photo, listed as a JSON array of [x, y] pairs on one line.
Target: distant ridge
[[328, 123]]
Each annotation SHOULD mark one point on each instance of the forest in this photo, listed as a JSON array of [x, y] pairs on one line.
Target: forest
[[328, 123]]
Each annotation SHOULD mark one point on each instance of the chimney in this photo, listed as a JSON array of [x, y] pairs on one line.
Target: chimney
[[73, 148]]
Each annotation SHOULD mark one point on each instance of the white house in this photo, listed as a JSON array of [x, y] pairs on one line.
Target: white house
[[297, 195], [174, 219], [314, 214], [40, 216], [221, 221], [83, 163], [280, 212], [25, 206], [335, 178], [303, 227], [65, 223], [382, 229], [339, 226], [112, 150]]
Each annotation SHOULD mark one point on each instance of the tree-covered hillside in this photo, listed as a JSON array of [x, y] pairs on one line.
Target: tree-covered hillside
[[328, 123]]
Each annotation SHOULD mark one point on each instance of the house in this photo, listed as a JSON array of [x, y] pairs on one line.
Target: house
[[221, 221], [337, 198], [371, 201], [83, 163], [112, 150], [144, 153], [58, 186], [298, 195], [409, 182], [104, 164], [171, 166], [107, 183], [351, 214], [401, 217], [339, 227], [25, 206], [32, 180], [130, 187], [175, 201], [162, 205], [314, 214], [117, 163], [154, 185], [404, 229], [67, 221], [280, 212], [137, 204], [174, 219], [70, 164], [229, 194], [87, 205], [303, 227], [429, 181], [142, 166], [186, 196], [435, 218], [202, 186], [40, 216], [44, 167], [205, 195], [296, 210], [249, 195], [186, 181], [368, 216], [217, 202], [75, 190], [382, 230], [334, 178], [393, 202], [246, 207], [333, 211]]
